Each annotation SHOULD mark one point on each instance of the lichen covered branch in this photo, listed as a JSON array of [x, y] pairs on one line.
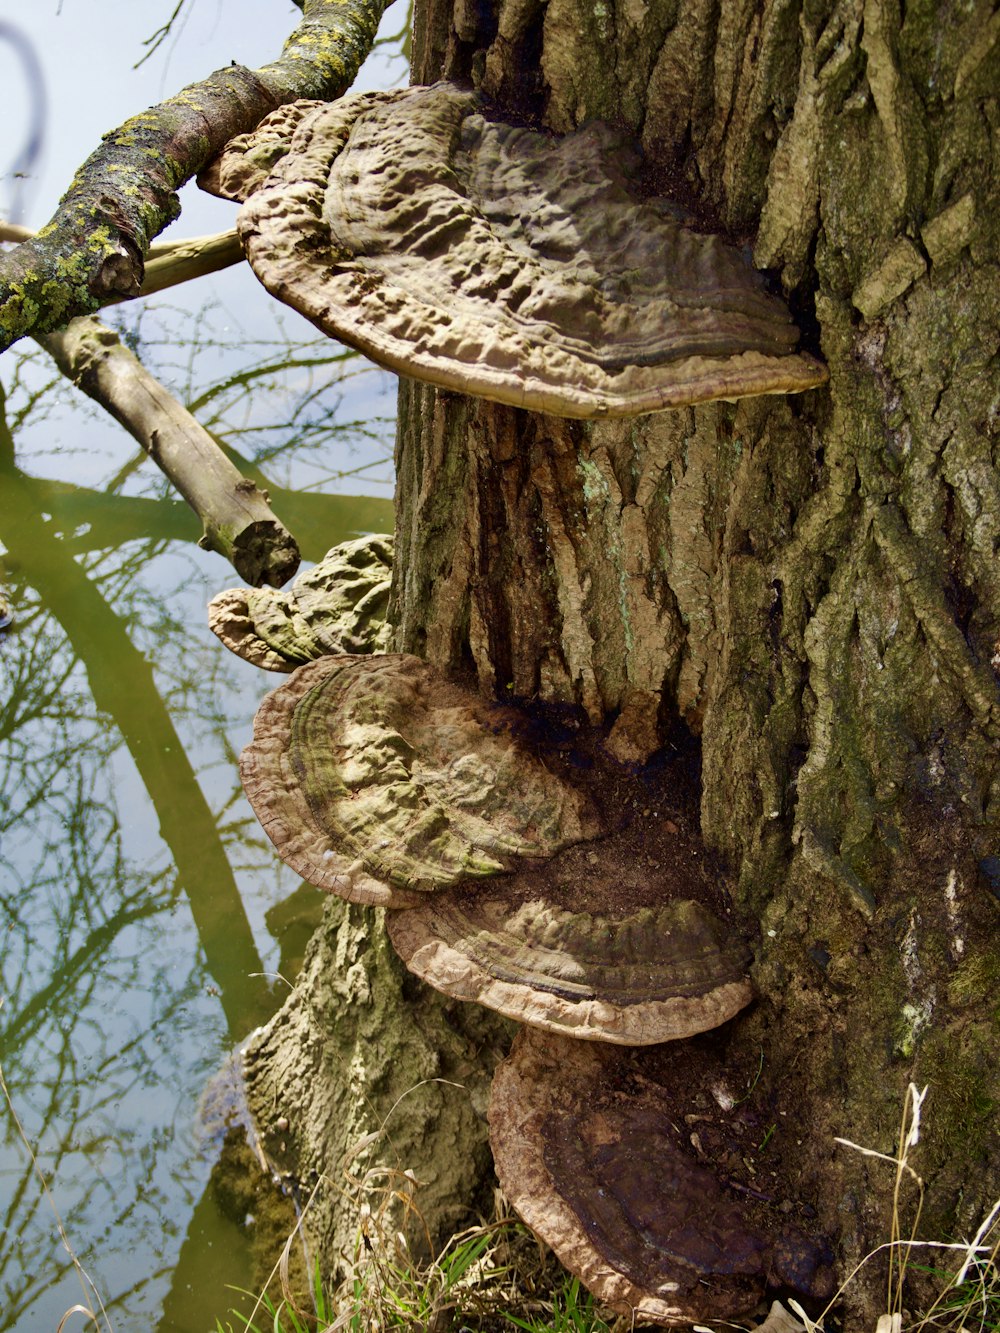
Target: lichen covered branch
[[93, 249]]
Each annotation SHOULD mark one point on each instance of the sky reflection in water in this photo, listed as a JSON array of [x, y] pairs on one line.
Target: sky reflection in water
[[134, 880]]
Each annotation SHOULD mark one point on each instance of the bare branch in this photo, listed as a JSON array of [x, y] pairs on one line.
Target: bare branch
[[93, 250], [237, 519], [168, 263]]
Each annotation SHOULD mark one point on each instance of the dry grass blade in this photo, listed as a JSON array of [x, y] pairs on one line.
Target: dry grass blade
[[280, 1269], [77, 1309], [980, 1311], [976, 1244]]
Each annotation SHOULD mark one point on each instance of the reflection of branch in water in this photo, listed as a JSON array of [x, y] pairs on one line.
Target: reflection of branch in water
[[90, 1289], [60, 995], [91, 520], [100, 996], [123, 686], [23, 164], [72, 932]]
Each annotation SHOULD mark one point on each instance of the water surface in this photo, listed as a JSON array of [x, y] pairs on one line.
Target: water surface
[[135, 951], [138, 938]]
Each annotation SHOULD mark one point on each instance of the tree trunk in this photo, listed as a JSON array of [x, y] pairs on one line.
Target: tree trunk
[[368, 1087], [809, 584]]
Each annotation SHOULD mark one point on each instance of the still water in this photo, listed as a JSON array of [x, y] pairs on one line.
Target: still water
[[136, 945], [141, 922]]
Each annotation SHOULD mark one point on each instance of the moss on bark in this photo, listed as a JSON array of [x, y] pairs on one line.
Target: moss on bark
[[811, 585]]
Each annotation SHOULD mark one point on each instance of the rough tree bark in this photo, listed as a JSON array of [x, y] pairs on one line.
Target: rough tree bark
[[811, 584]]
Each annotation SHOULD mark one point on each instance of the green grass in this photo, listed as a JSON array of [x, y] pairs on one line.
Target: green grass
[[493, 1276], [973, 1305], [572, 1311]]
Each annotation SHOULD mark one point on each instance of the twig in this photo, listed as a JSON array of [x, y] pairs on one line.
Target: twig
[[237, 518]]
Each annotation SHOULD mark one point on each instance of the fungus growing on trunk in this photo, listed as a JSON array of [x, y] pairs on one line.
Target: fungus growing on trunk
[[569, 947], [338, 606], [502, 262], [591, 1148], [381, 781]]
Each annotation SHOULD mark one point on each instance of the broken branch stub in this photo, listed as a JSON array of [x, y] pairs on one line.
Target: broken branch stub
[[498, 261], [237, 518], [379, 780]]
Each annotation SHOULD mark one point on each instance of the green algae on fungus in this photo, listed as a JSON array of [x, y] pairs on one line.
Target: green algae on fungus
[[379, 780], [631, 976]]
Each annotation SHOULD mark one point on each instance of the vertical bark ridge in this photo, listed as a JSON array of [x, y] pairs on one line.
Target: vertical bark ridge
[[810, 584]]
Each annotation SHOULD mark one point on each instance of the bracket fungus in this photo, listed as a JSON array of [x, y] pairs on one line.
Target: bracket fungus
[[338, 606], [590, 943], [502, 262], [381, 781], [589, 1149]]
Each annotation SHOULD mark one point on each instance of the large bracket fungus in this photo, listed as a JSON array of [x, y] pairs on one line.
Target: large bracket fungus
[[502, 262], [610, 940], [653, 975], [590, 1148], [381, 781], [338, 606]]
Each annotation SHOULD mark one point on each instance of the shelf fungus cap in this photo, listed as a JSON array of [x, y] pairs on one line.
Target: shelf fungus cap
[[338, 606], [379, 780], [600, 1167], [502, 262], [636, 977]]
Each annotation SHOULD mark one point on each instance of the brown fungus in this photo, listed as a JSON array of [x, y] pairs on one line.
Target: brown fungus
[[338, 606], [590, 1149], [381, 781], [532, 947], [619, 939], [502, 262]]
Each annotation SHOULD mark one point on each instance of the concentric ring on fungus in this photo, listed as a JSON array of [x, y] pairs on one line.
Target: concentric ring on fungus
[[635, 977], [500, 261], [379, 780], [592, 1150]]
